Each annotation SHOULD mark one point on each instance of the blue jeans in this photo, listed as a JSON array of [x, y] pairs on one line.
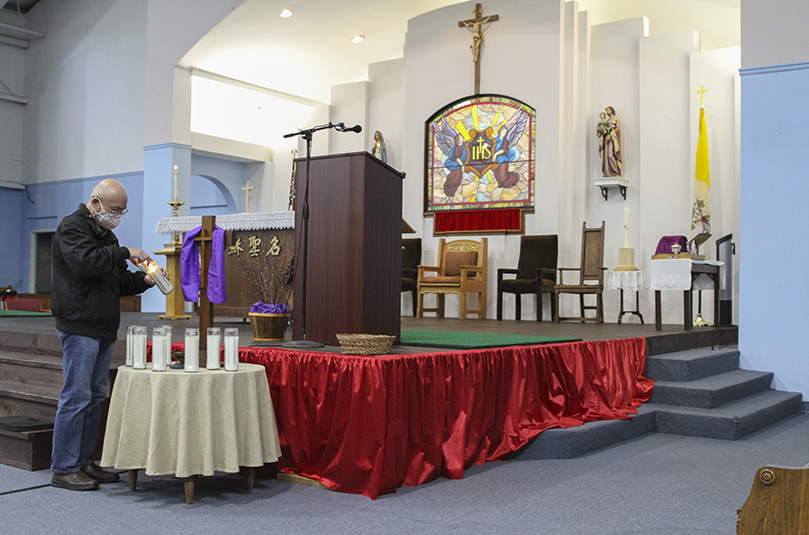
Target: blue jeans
[[86, 366]]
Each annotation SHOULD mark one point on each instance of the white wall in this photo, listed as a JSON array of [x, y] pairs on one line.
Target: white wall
[[718, 71], [84, 82], [11, 113], [667, 175], [616, 65], [385, 107], [528, 35], [349, 106], [773, 32]]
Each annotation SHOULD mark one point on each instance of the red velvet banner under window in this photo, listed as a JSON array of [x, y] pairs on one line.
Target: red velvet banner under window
[[368, 425], [505, 220]]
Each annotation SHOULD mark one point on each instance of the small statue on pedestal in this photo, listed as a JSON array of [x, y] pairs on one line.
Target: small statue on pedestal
[[378, 150]]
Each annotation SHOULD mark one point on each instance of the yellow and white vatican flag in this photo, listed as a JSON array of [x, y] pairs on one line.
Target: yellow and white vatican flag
[[701, 211]]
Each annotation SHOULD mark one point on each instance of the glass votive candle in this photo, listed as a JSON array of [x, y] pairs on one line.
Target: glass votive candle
[[151, 268], [214, 341], [139, 348], [158, 350], [191, 363], [167, 331], [129, 341], [231, 350]]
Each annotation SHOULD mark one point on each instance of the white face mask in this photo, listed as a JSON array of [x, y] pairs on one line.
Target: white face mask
[[107, 220]]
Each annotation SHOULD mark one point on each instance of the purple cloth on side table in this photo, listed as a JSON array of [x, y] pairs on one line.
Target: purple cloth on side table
[[665, 243]]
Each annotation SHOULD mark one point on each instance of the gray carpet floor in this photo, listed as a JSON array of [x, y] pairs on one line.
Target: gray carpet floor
[[655, 484]]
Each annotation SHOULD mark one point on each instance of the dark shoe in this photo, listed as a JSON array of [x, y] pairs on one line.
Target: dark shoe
[[74, 481], [99, 474]]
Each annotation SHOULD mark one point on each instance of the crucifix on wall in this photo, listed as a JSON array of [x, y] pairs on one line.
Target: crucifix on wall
[[476, 25], [248, 189]]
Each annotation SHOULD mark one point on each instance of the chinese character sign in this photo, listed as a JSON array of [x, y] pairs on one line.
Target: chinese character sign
[[480, 154]]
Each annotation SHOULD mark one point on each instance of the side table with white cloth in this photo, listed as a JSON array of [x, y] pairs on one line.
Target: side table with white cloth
[[189, 424], [686, 275], [627, 280]]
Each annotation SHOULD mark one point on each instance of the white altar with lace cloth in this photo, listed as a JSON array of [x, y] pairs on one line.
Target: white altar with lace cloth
[[256, 221], [247, 236]]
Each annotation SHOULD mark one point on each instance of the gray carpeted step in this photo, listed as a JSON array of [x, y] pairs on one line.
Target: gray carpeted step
[[692, 364], [574, 441], [730, 421], [713, 391]]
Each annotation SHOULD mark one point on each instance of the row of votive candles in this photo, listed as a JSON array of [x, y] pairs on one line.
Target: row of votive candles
[[161, 348]]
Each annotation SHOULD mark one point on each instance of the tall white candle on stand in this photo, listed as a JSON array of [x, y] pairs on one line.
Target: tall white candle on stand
[[175, 184], [626, 227], [139, 348], [167, 330], [158, 350], [214, 341], [191, 350], [231, 350]]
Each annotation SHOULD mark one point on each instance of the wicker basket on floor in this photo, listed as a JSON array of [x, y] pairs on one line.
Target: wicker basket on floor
[[365, 344]]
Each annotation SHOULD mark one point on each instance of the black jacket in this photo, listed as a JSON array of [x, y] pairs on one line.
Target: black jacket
[[89, 276]]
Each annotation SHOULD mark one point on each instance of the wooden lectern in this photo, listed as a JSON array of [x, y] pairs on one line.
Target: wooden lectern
[[354, 258]]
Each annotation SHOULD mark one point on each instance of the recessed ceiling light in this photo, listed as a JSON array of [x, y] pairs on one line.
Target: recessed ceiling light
[[286, 13], [358, 39]]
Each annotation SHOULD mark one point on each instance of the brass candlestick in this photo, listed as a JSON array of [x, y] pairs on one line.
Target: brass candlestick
[[175, 304], [175, 204]]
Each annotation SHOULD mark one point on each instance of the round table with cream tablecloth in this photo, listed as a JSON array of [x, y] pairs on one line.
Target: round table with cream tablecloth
[[190, 424]]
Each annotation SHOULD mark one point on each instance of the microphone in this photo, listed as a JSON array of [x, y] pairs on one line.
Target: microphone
[[341, 127]]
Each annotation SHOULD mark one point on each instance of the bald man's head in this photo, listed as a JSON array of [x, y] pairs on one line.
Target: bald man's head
[[108, 196]]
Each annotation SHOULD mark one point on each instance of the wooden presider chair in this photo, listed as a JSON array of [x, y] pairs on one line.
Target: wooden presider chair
[[411, 258], [461, 270], [591, 275], [535, 274]]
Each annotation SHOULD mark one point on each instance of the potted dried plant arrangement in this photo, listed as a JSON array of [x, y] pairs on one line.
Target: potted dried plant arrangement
[[270, 273]]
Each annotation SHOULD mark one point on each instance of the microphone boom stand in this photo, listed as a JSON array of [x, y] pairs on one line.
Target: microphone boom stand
[[307, 135]]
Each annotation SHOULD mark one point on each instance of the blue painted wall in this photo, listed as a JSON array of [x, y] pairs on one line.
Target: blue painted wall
[[774, 257], [216, 184], [213, 187], [54, 200]]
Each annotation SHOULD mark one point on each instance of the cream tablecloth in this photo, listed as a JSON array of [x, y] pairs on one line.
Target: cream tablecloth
[[188, 424]]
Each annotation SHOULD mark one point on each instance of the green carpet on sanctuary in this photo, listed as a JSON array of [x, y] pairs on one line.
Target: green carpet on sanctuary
[[462, 340], [9, 313]]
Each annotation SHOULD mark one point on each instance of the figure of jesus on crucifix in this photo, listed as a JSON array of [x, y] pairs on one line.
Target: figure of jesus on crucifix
[[476, 25]]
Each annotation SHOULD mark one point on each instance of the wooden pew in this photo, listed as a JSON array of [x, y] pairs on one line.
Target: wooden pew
[[778, 503]]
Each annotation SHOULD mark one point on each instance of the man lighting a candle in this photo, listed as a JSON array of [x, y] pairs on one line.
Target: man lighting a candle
[[89, 276]]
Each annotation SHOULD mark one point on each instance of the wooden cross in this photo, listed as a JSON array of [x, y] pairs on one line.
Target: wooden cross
[[702, 92], [248, 188], [205, 241], [476, 25]]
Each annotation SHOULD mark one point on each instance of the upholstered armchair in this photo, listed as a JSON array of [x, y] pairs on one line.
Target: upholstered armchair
[[411, 258], [461, 270], [535, 274], [591, 276]]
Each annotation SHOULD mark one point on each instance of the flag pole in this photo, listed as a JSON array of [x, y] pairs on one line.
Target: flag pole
[[702, 173]]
